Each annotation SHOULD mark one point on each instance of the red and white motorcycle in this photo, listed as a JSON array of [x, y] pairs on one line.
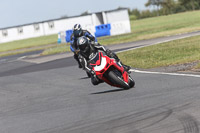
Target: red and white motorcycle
[[110, 71]]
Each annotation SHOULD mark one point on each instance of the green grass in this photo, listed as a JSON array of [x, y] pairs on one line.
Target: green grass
[[156, 27], [61, 48], [165, 54], [27, 43]]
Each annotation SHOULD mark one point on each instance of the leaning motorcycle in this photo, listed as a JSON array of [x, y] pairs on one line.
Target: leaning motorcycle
[[110, 71]]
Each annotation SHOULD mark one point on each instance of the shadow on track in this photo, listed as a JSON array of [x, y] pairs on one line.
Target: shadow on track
[[84, 78], [109, 91]]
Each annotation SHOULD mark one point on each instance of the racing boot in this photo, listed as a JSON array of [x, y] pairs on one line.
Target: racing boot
[[79, 65], [126, 68], [94, 79], [76, 58], [113, 55]]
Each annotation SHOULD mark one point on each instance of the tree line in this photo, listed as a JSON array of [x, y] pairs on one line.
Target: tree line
[[165, 7]]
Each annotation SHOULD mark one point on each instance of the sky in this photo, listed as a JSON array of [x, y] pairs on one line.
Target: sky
[[18, 12]]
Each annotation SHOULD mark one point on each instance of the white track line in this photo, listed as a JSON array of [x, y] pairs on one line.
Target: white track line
[[20, 58], [163, 73]]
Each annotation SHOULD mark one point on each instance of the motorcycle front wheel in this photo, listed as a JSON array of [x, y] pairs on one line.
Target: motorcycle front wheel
[[131, 82], [117, 80]]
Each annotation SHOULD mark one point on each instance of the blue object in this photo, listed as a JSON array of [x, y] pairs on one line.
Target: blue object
[[68, 35], [103, 30], [59, 40], [72, 49]]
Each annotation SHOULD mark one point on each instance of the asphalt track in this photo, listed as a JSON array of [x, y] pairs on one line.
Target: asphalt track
[[57, 97]]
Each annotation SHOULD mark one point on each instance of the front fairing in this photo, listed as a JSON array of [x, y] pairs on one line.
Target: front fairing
[[99, 61]]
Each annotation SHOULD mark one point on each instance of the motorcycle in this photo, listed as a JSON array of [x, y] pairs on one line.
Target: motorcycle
[[110, 71]]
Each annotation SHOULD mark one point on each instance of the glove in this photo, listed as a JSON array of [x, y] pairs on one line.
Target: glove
[[93, 42], [77, 51], [112, 55], [108, 52]]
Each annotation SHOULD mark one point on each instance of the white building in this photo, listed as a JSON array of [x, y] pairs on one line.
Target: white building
[[118, 19]]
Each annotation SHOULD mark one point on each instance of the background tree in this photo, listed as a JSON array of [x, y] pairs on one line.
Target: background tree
[[168, 6], [165, 7], [190, 4], [136, 12], [154, 3], [85, 13], [64, 16]]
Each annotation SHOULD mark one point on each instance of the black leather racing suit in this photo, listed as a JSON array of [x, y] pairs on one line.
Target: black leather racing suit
[[74, 42]]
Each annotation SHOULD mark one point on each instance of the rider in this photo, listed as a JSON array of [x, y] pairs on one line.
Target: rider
[[87, 52], [78, 32]]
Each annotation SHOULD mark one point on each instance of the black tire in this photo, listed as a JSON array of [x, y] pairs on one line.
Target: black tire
[[117, 80], [131, 82]]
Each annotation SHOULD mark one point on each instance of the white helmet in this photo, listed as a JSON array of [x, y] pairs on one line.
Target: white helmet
[[77, 29]]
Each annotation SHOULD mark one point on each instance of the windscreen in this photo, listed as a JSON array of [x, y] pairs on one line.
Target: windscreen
[[97, 57]]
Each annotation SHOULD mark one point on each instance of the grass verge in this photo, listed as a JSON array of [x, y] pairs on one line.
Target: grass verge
[[28, 43], [61, 48], [198, 66], [165, 54], [155, 27], [158, 27]]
